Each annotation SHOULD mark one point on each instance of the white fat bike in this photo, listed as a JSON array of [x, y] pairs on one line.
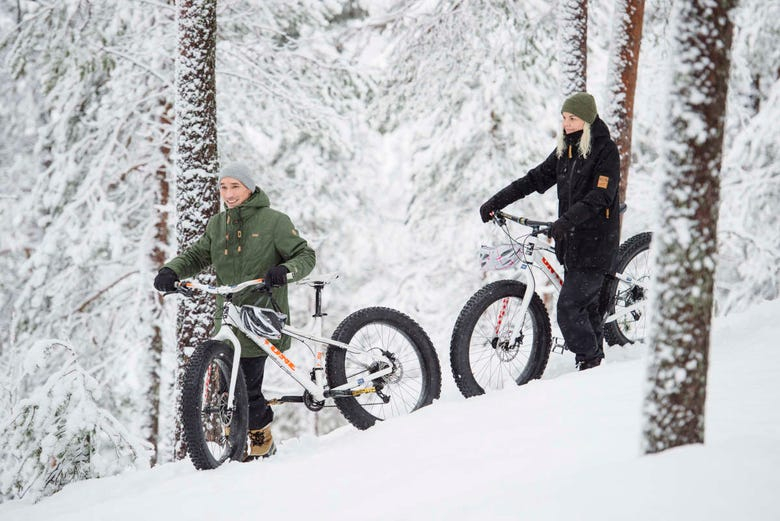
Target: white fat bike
[[378, 364], [503, 335]]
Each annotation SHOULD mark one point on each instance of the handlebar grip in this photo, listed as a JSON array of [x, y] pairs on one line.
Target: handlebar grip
[[500, 215], [182, 288]]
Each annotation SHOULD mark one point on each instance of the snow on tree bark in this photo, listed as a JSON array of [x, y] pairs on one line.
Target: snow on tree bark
[[196, 163], [685, 247], [573, 45], [621, 80], [157, 258]]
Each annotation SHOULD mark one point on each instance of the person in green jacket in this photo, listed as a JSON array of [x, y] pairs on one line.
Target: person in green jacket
[[246, 241]]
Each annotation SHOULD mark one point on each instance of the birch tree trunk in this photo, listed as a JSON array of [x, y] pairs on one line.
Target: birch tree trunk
[[196, 163], [573, 46], [621, 80], [685, 247]]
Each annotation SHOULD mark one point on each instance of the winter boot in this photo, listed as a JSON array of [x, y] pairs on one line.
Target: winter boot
[[261, 444], [589, 363]]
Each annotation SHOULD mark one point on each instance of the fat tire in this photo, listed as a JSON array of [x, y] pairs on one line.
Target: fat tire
[[460, 343], [192, 406], [335, 361], [632, 247]]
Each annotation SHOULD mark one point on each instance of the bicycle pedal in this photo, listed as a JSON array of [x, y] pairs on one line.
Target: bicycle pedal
[[558, 345]]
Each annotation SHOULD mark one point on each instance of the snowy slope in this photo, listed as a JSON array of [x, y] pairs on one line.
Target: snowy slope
[[565, 447]]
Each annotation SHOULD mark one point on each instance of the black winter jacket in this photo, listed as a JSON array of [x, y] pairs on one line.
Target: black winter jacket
[[587, 197]]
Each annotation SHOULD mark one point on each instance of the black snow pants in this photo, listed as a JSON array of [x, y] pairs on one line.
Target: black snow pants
[[581, 313], [260, 413]]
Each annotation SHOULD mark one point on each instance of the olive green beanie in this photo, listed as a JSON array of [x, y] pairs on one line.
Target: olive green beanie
[[581, 105]]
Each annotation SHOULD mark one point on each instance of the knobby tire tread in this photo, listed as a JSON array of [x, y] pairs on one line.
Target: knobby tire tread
[[335, 371], [632, 247], [190, 409], [467, 321]]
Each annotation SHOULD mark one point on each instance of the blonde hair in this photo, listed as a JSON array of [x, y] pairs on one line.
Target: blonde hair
[[584, 146]]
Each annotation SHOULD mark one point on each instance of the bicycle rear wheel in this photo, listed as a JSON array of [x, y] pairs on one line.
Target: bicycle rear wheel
[[415, 379], [634, 262], [214, 432], [486, 352]]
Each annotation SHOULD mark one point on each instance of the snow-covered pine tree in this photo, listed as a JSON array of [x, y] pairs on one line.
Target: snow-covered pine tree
[[197, 198], [59, 433], [621, 79], [153, 426], [573, 45], [749, 229], [85, 102], [685, 247], [465, 109]]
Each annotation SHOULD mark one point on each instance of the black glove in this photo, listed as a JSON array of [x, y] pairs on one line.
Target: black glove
[[560, 228], [507, 195], [165, 280], [277, 276], [488, 208]]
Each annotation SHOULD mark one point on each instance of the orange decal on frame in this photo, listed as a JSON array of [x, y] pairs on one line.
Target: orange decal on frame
[[281, 355]]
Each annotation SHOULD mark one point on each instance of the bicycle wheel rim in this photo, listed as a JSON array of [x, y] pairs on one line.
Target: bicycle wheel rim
[[215, 416], [405, 385], [498, 356], [633, 325]]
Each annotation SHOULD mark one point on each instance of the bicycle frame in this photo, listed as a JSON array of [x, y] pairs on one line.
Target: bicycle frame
[[315, 383], [535, 253]]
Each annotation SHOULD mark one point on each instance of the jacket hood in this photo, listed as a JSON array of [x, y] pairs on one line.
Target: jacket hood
[[599, 128]]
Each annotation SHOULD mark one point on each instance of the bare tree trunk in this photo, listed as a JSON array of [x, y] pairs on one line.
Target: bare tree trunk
[[621, 80], [685, 248], [161, 239], [573, 45], [196, 163]]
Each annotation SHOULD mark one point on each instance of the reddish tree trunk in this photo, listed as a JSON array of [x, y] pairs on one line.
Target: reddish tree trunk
[[626, 37]]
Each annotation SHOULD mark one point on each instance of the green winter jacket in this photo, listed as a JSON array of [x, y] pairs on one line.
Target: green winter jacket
[[243, 243]]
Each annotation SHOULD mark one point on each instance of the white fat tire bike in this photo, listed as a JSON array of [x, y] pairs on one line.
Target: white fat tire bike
[[487, 353], [393, 352]]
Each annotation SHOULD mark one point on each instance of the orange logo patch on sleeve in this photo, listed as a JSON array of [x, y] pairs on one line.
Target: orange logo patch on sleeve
[[603, 181]]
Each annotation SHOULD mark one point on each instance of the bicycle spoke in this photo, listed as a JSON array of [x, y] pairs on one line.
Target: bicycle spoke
[[497, 357]]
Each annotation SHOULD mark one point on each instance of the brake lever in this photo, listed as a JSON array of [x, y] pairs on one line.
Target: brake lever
[[181, 289], [262, 288]]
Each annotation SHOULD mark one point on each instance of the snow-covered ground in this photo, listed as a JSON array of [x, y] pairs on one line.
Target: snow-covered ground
[[562, 448]]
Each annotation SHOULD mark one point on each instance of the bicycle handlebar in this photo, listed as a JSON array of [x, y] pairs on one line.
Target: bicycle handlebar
[[542, 226], [185, 287]]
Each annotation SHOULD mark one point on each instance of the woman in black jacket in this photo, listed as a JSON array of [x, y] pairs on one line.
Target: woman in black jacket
[[585, 166]]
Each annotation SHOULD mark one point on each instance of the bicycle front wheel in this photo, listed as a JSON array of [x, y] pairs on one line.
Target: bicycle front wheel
[[396, 340], [493, 346], [214, 431], [633, 262]]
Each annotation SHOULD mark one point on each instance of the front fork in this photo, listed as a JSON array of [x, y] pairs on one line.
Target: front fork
[[530, 289], [225, 333]]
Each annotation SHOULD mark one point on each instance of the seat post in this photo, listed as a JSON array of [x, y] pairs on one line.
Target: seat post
[[318, 287]]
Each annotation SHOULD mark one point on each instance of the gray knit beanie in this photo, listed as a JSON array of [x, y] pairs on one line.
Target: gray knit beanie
[[581, 105], [240, 172]]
